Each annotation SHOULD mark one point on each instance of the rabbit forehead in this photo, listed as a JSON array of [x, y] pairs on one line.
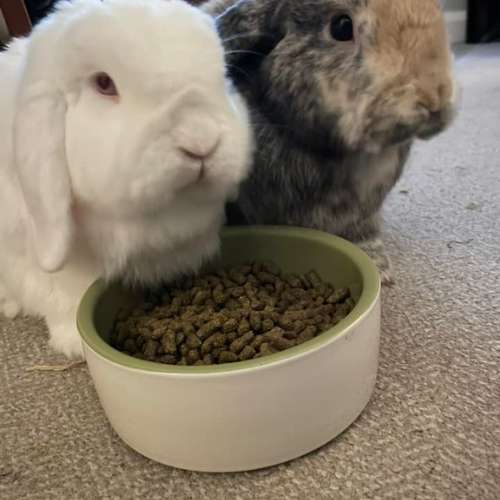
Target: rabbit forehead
[[407, 37], [147, 37], [398, 15]]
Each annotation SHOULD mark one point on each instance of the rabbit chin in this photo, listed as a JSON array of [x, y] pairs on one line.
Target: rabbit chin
[[146, 251]]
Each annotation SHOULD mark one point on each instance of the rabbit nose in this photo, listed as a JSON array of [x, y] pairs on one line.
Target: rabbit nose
[[197, 137], [434, 87], [435, 97]]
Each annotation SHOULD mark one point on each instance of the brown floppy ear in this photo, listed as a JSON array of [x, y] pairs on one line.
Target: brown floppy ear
[[250, 29], [39, 149]]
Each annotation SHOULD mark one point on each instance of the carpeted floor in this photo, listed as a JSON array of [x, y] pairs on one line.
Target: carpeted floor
[[432, 428]]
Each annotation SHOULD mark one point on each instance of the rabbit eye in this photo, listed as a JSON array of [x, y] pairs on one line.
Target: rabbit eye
[[105, 84], [341, 28]]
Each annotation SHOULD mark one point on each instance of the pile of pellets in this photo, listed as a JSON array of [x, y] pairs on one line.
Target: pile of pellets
[[237, 314]]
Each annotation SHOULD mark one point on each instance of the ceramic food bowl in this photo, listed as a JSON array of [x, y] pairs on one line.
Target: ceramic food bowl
[[249, 414]]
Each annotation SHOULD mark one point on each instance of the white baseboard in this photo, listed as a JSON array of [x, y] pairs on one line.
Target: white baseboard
[[456, 22]]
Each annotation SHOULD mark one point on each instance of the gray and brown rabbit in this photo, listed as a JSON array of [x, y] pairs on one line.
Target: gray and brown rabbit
[[338, 91]]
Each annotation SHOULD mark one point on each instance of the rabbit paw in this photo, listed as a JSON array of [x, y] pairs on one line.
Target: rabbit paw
[[64, 338], [376, 251], [10, 308]]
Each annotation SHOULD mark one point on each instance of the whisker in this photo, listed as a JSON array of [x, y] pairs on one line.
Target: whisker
[[241, 71], [259, 34], [271, 125], [231, 52]]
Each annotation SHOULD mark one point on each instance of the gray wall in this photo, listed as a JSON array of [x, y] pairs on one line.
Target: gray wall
[[454, 4]]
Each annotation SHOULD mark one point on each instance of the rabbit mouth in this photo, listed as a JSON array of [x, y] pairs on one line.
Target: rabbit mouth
[[433, 124], [197, 179], [201, 173], [437, 123], [205, 186]]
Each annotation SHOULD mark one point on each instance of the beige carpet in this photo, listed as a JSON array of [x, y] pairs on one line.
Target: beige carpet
[[432, 428]]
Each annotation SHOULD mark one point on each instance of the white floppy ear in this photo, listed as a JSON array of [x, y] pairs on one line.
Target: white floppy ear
[[39, 148]]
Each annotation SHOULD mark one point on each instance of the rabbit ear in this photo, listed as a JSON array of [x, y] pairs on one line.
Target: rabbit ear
[[39, 147], [250, 29]]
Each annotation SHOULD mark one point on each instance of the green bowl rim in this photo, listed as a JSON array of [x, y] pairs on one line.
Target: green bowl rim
[[367, 300]]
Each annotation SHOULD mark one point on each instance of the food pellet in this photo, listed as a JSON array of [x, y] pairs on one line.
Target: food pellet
[[227, 357], [246, 312], [238, 344], [248, 352]]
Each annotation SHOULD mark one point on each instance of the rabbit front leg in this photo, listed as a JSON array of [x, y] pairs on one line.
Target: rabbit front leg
[[9, 307], [63, 334], [375, 249], [60, 310], [365, 233]]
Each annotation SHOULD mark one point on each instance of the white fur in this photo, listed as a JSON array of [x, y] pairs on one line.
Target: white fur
[[96, 185]]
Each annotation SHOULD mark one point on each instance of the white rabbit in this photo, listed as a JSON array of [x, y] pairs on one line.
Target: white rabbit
[[120, 141]]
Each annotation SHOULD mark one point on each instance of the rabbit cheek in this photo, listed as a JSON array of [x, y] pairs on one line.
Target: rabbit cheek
[[159, 174], [350, 104], [390, 121]]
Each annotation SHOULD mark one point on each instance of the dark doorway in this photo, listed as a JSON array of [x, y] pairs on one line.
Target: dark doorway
[[483, 23]]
